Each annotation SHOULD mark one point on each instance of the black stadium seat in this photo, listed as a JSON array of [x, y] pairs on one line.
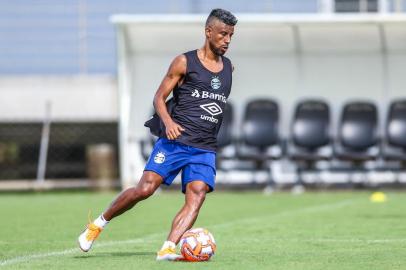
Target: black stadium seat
[[310, 131], [394, 145], [260, 131], [226, 152], [225, 136], [358, 132], [225, 139]]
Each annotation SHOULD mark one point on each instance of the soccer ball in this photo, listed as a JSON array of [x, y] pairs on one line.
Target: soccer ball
[[197, 245]]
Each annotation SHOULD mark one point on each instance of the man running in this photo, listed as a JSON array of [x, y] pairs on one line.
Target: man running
[[201, 83]]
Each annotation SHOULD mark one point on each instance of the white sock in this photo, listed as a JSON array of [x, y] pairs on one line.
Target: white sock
[[168, 244], [100, 221]]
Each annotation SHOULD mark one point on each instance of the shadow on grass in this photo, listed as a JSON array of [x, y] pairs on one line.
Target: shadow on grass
[[114, 254]]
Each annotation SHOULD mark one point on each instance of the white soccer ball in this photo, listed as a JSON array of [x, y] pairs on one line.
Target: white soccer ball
[[197, 245]]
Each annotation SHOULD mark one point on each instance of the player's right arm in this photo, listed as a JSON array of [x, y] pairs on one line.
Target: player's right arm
[[173, 77]]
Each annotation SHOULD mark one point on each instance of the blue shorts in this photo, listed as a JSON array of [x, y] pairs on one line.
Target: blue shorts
[[168, 158]]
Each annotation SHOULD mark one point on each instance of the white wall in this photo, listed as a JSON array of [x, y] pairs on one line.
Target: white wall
[[73, 98], [337, 58], [335, 78], [286, 57]]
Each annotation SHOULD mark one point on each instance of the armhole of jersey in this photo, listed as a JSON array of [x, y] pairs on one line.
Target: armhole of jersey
[[188, 56], [230, 64], [186, 72], [231, 73]]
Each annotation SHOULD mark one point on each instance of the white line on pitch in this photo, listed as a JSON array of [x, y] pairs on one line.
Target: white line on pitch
[[311, 209], [332, 240], [76, 250]]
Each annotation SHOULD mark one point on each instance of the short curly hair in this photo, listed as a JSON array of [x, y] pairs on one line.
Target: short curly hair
[[223, 15]]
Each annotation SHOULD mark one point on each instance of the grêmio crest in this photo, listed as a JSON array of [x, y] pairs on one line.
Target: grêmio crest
[[215, 82]]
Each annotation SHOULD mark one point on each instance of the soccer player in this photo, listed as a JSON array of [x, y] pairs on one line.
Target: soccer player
[[201, 83]]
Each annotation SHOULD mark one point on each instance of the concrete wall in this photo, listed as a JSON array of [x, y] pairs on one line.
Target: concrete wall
[[335, 78], [288, 58], [73, 98]]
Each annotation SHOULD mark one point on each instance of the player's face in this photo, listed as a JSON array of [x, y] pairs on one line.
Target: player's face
[[219, 36]]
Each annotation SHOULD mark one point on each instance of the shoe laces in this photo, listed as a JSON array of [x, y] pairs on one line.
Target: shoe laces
[[93, 230], [167, 250]]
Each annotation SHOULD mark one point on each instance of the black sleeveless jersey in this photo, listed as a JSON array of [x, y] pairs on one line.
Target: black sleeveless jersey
[[200, 101]]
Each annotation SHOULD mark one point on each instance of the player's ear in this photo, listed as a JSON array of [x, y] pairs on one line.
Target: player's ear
[[208, 31]]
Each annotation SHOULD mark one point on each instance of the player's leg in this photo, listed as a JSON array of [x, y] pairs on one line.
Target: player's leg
[[194, 197], [147, 185], [186, 217]]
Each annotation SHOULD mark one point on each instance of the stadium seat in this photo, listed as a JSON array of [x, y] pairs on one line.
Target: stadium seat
[[310, 132], [260, 132], [225, 140], [358, 132], [224, 136], [227, 151], [394, 144]]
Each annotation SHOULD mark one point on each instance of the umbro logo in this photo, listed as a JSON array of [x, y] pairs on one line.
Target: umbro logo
[[212, 108]]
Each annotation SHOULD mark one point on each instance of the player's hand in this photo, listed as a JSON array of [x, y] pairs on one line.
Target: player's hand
[[173, 130]]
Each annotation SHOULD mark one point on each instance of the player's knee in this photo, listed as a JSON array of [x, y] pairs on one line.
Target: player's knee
[[139, 194], [145, 192], [199, 193]]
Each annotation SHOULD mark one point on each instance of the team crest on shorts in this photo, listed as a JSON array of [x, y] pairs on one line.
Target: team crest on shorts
[[215, 83], [159, 158]]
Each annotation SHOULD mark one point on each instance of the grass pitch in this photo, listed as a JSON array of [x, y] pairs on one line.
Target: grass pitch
[[252, 231]]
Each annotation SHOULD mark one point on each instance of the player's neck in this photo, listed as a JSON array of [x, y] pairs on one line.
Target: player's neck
[[208, 55]]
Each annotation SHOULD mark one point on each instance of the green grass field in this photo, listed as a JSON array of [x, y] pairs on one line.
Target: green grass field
[[253, 231]]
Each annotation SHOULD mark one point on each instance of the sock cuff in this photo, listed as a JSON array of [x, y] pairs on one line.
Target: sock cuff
[[100, 221], [103, 219], [168, 244]]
